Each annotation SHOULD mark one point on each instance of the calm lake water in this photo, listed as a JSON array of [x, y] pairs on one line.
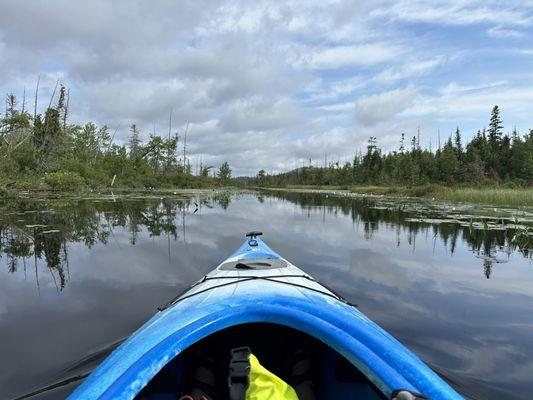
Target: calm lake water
[[77, 276]]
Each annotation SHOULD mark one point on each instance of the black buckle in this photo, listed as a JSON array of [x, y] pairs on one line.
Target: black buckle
[[239, 372], [253, 234]]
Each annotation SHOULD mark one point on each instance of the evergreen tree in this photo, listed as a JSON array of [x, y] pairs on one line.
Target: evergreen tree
[[135, 145], [38, 132], [504, 156], [495, 129], [449, 165], [371, 164], [458, 143]]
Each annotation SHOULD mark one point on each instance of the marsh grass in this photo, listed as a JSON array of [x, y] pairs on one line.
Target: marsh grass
[[500, 196], [487, 195]]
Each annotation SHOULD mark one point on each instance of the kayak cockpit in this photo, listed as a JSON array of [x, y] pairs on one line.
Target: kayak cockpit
[[312, 368]]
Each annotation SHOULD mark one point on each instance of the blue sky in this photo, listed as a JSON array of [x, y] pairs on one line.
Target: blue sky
[[270, 84]]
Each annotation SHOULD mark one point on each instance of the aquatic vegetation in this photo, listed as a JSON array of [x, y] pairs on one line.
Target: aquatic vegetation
[[523, 239], [486, 195], [499, 196], [487, 228]]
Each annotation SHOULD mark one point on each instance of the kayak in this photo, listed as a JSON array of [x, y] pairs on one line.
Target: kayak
[[258, 299]]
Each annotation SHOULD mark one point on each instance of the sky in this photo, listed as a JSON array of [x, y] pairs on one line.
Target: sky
[[273, 84]]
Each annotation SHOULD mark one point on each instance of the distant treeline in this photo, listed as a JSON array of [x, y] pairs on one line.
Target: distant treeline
[[490, 157], [46, 150]]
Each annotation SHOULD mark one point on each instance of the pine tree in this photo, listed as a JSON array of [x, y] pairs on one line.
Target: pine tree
[[505, 156], [494, 140], [135, 145], [449, 165], [495, 128], [458, 143], [38, 132], [62, 105], [11, 104]]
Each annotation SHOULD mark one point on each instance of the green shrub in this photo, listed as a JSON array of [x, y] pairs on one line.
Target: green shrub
[[64, 181]]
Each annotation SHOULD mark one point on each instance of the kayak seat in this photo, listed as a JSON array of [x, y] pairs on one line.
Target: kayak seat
[[313, 369]]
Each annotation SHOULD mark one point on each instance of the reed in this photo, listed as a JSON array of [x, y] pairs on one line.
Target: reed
[[490, 195]]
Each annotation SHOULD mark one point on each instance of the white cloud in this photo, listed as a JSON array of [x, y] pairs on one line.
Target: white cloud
[[454, 101], [444, 12], [353, 55], [500, 32], [412, 68], [369, 110], [260, 113]]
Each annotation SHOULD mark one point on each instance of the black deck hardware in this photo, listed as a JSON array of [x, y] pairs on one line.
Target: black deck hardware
[[252, 234], [239, 373]]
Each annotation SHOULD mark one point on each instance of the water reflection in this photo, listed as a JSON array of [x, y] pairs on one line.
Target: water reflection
[[41, 230], [31, 230], [488, 236], [82, 274]]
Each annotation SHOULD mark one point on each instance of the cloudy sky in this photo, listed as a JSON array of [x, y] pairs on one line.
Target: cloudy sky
[[272, 84]]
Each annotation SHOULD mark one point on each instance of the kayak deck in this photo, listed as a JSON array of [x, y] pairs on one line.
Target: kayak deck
[[258, 303]]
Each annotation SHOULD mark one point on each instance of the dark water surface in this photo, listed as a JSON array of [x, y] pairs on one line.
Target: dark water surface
[[453, 283]]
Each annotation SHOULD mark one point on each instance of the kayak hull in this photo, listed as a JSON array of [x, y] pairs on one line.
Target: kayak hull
[[284, 296]]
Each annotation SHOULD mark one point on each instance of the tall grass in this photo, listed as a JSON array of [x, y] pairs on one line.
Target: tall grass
[[488, 195], [500, 196]]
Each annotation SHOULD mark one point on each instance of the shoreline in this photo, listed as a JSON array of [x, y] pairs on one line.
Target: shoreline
[[498, 196], [521, 197]]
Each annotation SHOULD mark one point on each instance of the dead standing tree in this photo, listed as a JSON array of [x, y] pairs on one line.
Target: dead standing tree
[[48, 135]]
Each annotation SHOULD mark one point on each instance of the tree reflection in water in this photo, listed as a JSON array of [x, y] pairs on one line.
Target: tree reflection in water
[[444, 223], [42, 229]]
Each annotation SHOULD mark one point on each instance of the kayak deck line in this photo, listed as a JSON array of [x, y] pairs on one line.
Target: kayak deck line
[[240, 279]]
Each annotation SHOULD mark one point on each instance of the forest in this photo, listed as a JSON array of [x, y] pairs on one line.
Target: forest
[[43, 150], [491, 157]]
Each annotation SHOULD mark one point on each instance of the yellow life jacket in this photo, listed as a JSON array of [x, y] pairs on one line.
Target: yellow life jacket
[[264, 385]]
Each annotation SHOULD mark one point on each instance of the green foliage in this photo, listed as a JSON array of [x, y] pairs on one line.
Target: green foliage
[[204, 170], [224, 172], [64, 181], [46, 149]]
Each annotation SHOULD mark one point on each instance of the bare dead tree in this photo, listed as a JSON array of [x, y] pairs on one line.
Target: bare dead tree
[[47, 148], [185, 147], [113, 137], [65, 113], [53, 94], [9, 151], [23, 100], [170, 124], [36, 95]]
